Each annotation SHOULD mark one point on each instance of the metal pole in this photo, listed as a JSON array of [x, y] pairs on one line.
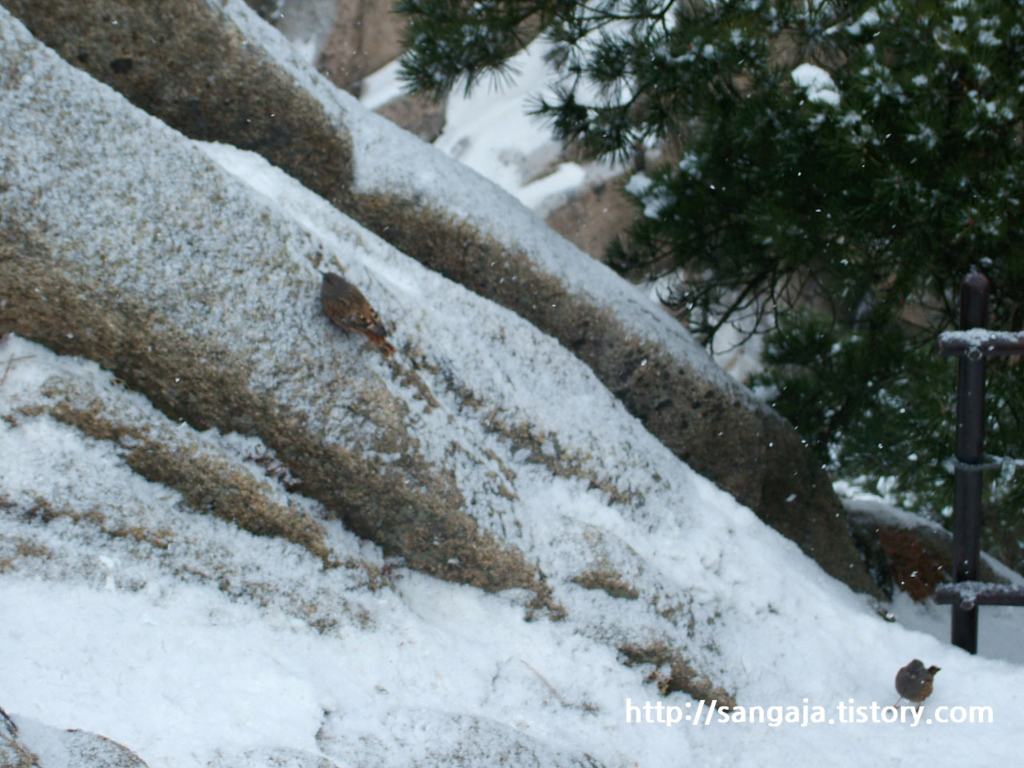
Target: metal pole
[[970, 432]]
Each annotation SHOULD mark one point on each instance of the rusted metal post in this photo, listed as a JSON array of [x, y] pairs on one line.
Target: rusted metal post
[[970, 433]]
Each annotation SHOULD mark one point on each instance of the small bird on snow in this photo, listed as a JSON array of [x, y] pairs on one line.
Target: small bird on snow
[[914, 682]]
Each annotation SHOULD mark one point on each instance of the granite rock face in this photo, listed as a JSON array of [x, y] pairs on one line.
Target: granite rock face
[[216, 72], [28, 744], [198, 295]]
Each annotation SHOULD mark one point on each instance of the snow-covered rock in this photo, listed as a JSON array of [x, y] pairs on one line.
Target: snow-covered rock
[[211, 497], [215, 71], [31, 744]]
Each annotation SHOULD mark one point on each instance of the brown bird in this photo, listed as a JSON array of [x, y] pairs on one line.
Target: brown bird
[[346, 307], [914, 682]]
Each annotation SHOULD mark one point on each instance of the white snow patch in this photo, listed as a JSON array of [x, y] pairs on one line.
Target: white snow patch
[[382, 86], [818, 83]]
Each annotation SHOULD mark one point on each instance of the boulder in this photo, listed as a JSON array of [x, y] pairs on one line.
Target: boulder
[[907, 552], [25, 743], [217, 72], [127, 244]]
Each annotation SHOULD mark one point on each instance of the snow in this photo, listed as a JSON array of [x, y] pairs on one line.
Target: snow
[[104, 636], [128, 648], [817, 82], [194, 642], [490, 131], [382, 86], [969, 592], [979, 337], [655, 200], [521, 146], [869, 18], [986, 37], [999, 633]]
